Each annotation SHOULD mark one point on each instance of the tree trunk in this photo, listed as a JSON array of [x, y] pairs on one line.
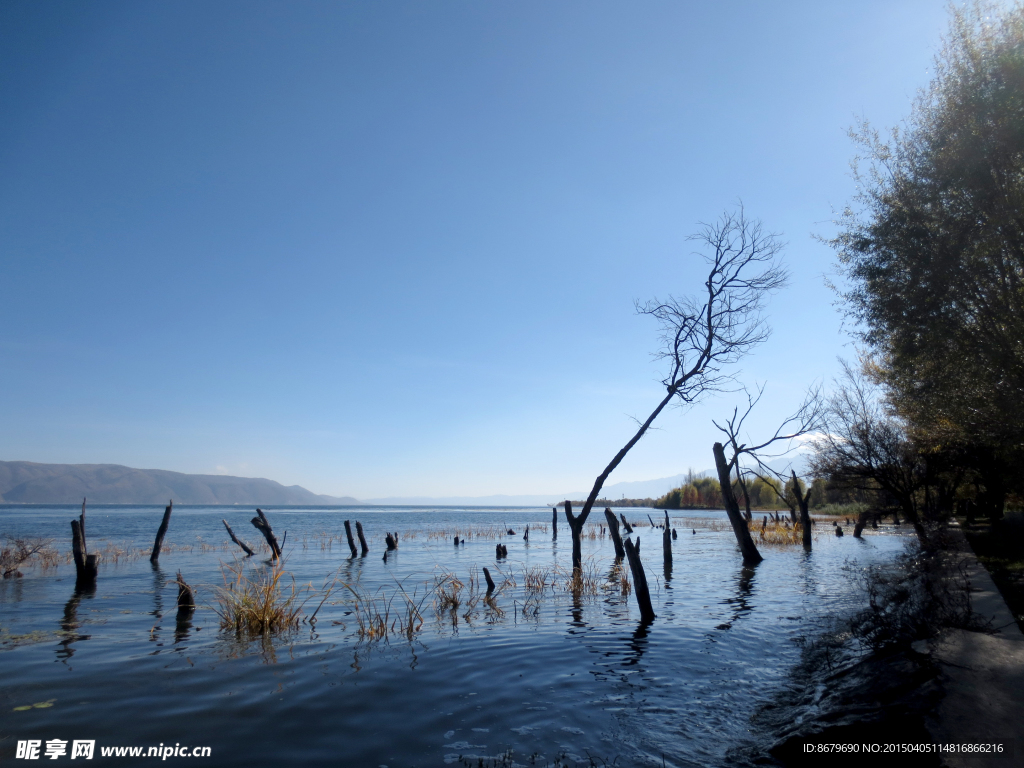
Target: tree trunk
[[666, 542], [362, 539], [576, 529], [739, 526], [234, 538], [161, 533], [186, 600], [640, 589], [261, 524], [554, 523], [862, 520], [351, 541], [625, 526], [805, 515], [490, 581], [613, 530]]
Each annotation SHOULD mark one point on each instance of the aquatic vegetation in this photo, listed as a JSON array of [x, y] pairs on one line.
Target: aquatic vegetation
[[377, 617], [19, 552], [254, 602]]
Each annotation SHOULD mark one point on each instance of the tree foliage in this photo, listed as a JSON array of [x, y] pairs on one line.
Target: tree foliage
[[933, 248]]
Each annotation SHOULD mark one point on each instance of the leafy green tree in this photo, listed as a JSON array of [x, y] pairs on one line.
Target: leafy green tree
[[933, 250]]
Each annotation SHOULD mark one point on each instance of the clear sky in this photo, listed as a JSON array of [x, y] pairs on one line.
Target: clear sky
[[392, 248]]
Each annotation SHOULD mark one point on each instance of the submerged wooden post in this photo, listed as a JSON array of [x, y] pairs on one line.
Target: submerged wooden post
[[186, 600], [805, 514], [161, 532], [613, 529], [640, 588], [554, 522], [243, 545], [626, 526], [862, 520], [666, 541], [490, 581], [526, 536], [261, 524], [86, 565], [391, 541], [351, 541], [362, 539]]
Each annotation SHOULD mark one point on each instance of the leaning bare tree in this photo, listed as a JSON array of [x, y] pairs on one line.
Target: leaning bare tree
[[806, 419], [704, 335]]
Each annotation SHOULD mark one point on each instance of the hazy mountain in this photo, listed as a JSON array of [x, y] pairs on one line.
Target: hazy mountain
[[30, 483]]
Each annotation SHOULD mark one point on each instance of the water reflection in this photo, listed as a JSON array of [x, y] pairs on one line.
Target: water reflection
[[740, 601], [70, 623]]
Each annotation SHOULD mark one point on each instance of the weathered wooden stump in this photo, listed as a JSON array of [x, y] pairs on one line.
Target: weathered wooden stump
[[666, 542], [613, 530], [625, 526], [362, 539], [243, 545], [351, 541], [554, 522], [526, 536], [490, 581], [186, 599], [640, 588], [161, 532], [862, 521], [456, 541], [261, 524], [86, 565]]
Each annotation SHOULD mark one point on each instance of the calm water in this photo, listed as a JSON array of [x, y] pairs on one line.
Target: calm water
[[568, 678]]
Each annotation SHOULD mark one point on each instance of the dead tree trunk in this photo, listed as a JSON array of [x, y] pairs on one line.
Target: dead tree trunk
[[626, 526], [161, 533], [362, 539], [261, 524], [351, 541], [391, 540], [244, 546], [862, 520], [613, 529], [576, 529], [666, 542], [554, 523], [640, 588], [86, 565], [490, 581], [739, 526], [805, 515], [186, 600]]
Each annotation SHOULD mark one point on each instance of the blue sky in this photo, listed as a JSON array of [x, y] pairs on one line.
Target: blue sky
[[384, 249]]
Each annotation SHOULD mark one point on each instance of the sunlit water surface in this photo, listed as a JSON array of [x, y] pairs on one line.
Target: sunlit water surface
[[540, 679]]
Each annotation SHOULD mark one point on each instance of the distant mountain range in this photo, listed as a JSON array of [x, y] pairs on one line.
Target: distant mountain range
[[26, 482]]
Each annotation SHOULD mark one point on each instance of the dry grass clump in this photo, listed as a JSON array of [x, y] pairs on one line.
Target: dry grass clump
[[378, 616], [586, 581], [254, 602], [618, 580], [538, 579], [778, 534]]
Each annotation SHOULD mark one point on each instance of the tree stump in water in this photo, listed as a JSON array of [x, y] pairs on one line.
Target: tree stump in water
[[245, 548], [362, 539], [625, 526], [391, 541], [161, 532], [554, 522], [490, 581], [640, 588], [666, 541], [186, 600], [351, 541], [613, 530], [262, 525]]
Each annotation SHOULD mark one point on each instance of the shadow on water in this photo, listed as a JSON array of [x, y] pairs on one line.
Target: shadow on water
[[740, 602], [70, 623]]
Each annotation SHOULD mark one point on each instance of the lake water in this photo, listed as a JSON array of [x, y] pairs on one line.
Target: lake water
[[535, 678]]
